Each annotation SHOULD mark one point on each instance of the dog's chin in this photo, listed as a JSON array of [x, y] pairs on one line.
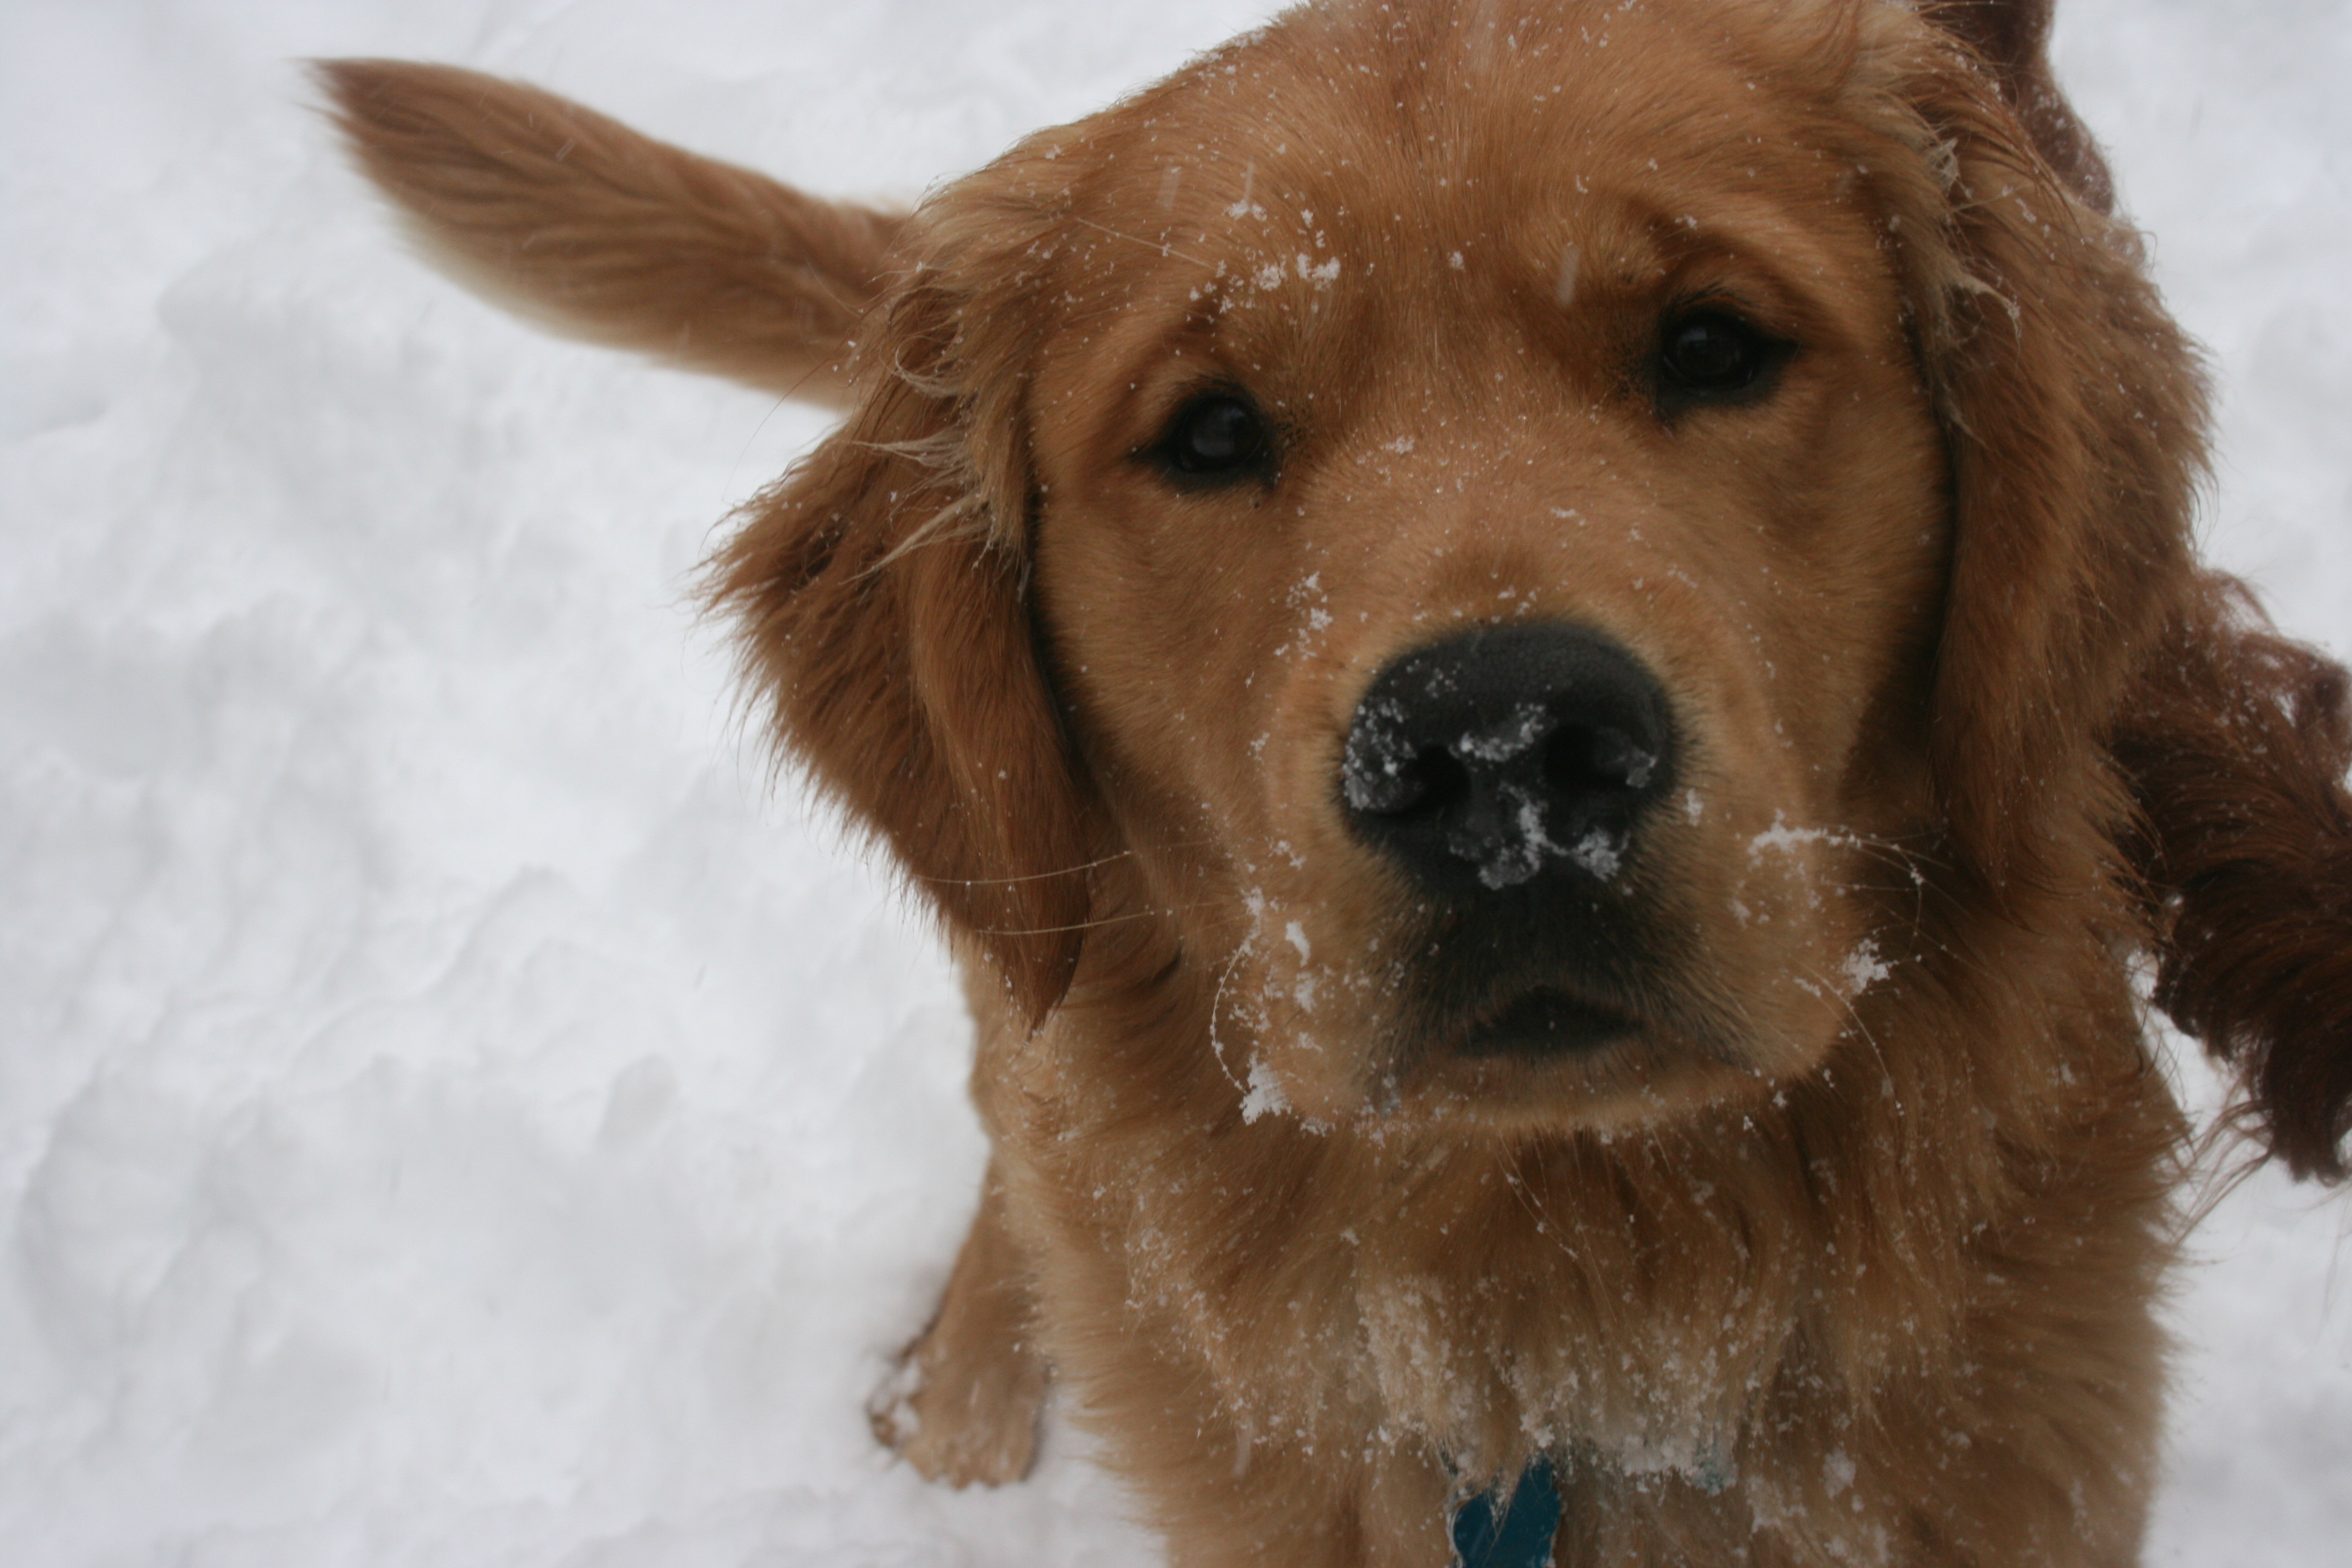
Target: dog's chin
[[1545, 1023]]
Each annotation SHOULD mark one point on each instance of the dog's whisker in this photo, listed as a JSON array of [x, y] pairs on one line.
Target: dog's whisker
[[1157, 247], [1092, 923], [1112, 859]]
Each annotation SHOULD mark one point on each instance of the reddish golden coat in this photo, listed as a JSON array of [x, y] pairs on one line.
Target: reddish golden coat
[[1850, 1254]]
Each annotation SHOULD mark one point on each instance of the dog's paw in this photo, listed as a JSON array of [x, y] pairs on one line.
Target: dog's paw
[[962, 1414]]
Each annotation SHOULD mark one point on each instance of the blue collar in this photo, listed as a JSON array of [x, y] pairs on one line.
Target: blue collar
[[1489, 1532]]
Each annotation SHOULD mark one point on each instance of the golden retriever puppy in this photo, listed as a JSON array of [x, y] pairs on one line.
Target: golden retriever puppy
[[1545, 661]]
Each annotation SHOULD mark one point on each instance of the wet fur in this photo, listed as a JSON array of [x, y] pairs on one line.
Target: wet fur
[[1820, 1270]]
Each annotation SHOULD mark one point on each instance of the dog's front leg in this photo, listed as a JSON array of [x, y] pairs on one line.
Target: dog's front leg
[[963, 1403]]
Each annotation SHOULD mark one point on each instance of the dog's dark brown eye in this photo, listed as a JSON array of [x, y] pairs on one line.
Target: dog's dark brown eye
[[1216, 437], [1713, 356]]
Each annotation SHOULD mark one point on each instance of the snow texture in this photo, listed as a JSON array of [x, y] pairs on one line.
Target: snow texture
[[450, 1112]]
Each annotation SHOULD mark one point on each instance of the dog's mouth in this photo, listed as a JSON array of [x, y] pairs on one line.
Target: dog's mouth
[[1564, 1050], [1545, 1022], [1539, 976]]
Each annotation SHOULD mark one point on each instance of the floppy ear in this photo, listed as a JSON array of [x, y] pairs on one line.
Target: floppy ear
[[2075, 416], [2091, 686], [878, 588], [877, 591], [2236, 743], [574, 220], [2012, 37]]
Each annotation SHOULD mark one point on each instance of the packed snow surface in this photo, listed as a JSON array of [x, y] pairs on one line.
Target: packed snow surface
[[451, 1110]]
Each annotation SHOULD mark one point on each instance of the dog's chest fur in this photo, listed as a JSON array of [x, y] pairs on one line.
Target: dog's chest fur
[[1733, 1320]]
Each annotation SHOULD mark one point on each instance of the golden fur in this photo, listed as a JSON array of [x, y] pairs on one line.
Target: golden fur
[[1846, 1249]]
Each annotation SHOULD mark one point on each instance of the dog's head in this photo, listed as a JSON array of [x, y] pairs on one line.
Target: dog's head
[[1532, 541]]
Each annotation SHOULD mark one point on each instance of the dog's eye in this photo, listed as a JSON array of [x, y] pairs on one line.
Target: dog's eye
[[1216, 437], [1713, 356]]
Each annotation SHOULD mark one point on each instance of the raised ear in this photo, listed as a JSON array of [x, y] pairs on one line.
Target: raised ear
[[878, 592], [2075, 418], [2012, 37], [2236, 743], [573, 220]]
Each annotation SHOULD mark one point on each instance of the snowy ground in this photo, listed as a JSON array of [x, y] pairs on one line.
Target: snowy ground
[[448, 1113]]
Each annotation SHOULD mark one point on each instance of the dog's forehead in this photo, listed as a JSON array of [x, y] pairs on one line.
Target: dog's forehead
[[1356, 172], [1458, 120]]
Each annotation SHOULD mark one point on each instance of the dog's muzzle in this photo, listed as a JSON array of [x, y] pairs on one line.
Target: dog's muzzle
[[1506, 772]]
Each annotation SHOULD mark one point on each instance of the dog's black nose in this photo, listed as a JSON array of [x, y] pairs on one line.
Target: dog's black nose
[[1506, 753]]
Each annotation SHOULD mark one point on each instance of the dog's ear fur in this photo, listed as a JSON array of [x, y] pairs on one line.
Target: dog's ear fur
[[565, 217], [2236, 742], [2073, 418], [2013, 39], [877, 591], [2086, 665], [878, 588]]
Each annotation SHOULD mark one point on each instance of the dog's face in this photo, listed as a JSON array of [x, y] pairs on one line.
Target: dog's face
[[1517, 534], [1490, 525]]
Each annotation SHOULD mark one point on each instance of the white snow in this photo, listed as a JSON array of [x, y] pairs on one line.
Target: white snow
[[1862, 969], [447, 1113], [1572, 268], [1265, 1096], [1782, 839], [1837, 1471]]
